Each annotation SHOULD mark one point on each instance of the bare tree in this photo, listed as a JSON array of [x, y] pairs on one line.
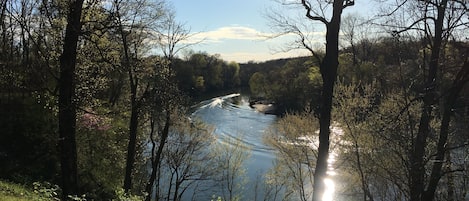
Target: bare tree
[[435, 21], [186, 159], [169, 36], [354, 106], [316, 12], [293, 137], [229, 158], [173, 36]]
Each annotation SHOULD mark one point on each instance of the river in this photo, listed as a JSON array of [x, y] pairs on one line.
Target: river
[[234, 120]]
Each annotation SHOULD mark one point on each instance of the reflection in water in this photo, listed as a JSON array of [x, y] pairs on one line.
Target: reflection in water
[[233, 119], [313, 143], [336, 134], [330, 188], [235, 122], [329, 182]]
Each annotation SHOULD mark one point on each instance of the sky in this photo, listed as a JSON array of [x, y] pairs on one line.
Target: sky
[[236, 29]]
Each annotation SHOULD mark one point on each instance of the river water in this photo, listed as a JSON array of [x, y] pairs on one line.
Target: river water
[[234, 120]]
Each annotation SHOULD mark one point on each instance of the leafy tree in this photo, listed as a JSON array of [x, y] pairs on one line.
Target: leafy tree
[[214, 72], [134, 22], [257, 84], [356, 104], [290, 86], [165, 100], [201, 73], [231, 75], [297, 86], [293, 137], [101, 153], [200, 83], [28, 140]]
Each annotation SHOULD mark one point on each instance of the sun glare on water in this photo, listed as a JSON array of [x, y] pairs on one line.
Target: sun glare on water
[[330, 188], [330, 185]]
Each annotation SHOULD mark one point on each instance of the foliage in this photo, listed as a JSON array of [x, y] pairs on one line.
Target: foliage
[[14, 192], [123, 196], [294, 138], [293, 86], [201, 73], [47, 191], [257, 84], [40, 191], [378, 101], [101, 152], [186, 161], [229, 159], [27, 140]]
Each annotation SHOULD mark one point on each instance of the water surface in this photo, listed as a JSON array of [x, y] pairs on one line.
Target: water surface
[[234, 120]]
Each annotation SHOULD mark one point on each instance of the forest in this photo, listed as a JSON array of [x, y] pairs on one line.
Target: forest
[[96, 100]]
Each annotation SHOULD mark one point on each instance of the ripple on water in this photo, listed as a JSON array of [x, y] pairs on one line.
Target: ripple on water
[[236, 120]]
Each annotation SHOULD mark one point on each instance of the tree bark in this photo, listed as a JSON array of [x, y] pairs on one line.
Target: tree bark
[[134, 102], [3, 27], [157, 158], [417, 166], [328, 70], [132, 146], [436, 174], [67, 107]]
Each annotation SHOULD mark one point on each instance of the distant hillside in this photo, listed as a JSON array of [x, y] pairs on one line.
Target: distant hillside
[[246, 70]]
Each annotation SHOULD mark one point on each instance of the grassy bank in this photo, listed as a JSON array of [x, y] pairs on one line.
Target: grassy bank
[[15, 192]]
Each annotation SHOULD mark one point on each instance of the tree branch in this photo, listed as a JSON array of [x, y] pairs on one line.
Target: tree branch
[[308, 8], [348, 3]]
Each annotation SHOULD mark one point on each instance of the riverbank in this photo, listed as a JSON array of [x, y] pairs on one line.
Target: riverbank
[[264, 106]]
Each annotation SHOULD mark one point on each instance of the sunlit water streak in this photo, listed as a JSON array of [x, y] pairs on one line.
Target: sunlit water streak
[[313, 143], [336, 134], [237, 121], [329, 181]]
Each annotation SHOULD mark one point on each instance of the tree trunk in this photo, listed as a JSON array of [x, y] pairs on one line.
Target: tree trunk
[[134, 104], [67, 110], [328, 70], [3, 29], [131, 148], [156, 160], [450, 101], [450, 181], [417, 166]]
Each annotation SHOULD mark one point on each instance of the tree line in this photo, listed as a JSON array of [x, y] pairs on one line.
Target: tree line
[[92, 99], [86, 106], [398, 99]]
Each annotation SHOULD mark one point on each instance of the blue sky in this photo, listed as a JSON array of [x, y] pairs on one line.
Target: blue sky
[[234, 28]]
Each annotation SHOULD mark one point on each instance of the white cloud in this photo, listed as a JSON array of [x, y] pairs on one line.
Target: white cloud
[[245, 33], [244, 57], [243, 44], [230, 32]]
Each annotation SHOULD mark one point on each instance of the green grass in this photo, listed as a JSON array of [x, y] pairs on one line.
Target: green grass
[[15, 192]]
